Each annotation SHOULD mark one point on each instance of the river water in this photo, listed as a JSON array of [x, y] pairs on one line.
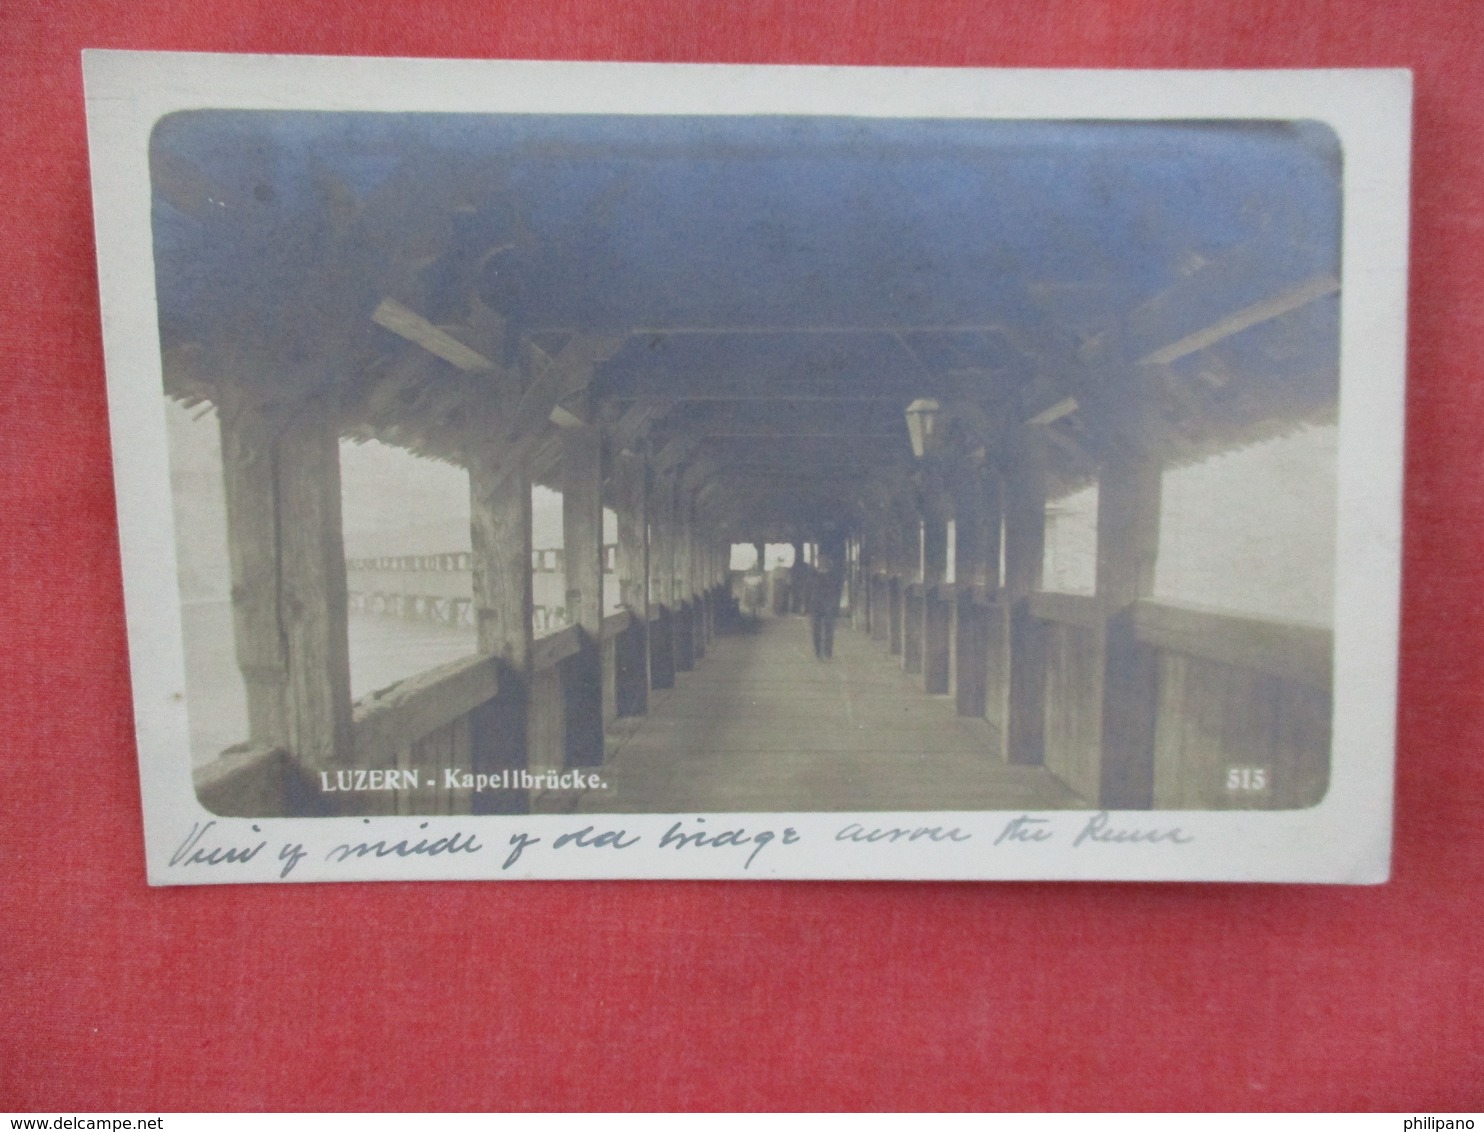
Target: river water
[[383, 650]]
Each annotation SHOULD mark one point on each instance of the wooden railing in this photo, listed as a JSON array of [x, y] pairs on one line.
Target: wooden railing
[[1239, 706], [258, 782], [1243, 709], [575, 687], [1077, 610], [1071, 648], [441, 721], [1302, 654], [389, 722], [1205, 710]]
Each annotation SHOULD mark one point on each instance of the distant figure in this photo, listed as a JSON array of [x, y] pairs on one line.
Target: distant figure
[[799, 583], [753, 586], [824, 606], [780, 590]]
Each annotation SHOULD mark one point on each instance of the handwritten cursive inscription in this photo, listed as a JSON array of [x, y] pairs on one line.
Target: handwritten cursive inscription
[[1024, 828], [704, 839], [454, 843], [581, 839], [1099, 828], [857, 832], [725, 841], [191, 851]]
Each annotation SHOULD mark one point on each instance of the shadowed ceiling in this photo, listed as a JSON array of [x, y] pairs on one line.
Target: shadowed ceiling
[[756, 300]]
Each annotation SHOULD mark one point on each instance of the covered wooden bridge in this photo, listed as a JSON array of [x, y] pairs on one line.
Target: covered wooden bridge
[[715, 327]]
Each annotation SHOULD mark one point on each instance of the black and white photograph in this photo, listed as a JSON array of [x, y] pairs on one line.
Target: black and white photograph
[[590, 470]]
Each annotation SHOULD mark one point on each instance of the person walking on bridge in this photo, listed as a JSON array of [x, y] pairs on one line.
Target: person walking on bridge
[[825, 583]]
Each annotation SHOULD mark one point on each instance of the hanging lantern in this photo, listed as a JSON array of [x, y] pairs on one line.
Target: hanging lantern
[[923, 422]]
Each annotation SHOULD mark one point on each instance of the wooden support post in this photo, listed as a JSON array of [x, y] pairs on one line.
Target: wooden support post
[[713, 582], [724, 614], [913, 604], [894, 604], [695, 582], [313, 598], [875, 560], [500, 526], [936, 612], [1025, 549], [632, 657], [582, 539], [975, 510], [896, 536], [978, 549], [937, 650], [1127, 541], [912, 598], [683, 601], [860, 601], [795, 575], [249, 469], [848, 567], [661, 584], [282, 480], [716, 559], [703, 591]]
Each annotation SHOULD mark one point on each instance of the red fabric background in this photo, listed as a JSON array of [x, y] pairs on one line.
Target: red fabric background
[[656, 995]]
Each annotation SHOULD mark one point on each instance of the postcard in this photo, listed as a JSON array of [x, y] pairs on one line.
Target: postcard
[[571, 470]]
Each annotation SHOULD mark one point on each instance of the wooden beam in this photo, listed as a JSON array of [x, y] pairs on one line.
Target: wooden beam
[[789, 418], [1128, 528], [675, 450], [627, 432], [1252, 283], [784, 331], [1025, 548], [1061, 408], [682, 593], [500, 526], [632, 650], [661, 582], [582, 538], [313, 605], [1273, 307], [976, 570], [1127, 546], [678, 391], [698, 474], [1025, 513], [563, 417], [553, 380], [415, 328], [632, 509], [582, 526], [841, 431], [822, 448], [249, 468]]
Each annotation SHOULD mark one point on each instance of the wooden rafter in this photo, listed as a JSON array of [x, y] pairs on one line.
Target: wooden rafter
[[1272, 307], [415, 328]]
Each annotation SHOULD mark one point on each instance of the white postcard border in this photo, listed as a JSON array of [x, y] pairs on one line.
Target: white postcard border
[[1344, 839]]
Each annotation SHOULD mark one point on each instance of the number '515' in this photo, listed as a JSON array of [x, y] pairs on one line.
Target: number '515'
[[1247, 778]]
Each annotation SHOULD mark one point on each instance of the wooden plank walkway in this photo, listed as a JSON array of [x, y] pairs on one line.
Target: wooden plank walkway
[[761, 726]]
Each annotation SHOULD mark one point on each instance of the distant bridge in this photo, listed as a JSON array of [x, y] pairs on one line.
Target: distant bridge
[[440, 587]]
